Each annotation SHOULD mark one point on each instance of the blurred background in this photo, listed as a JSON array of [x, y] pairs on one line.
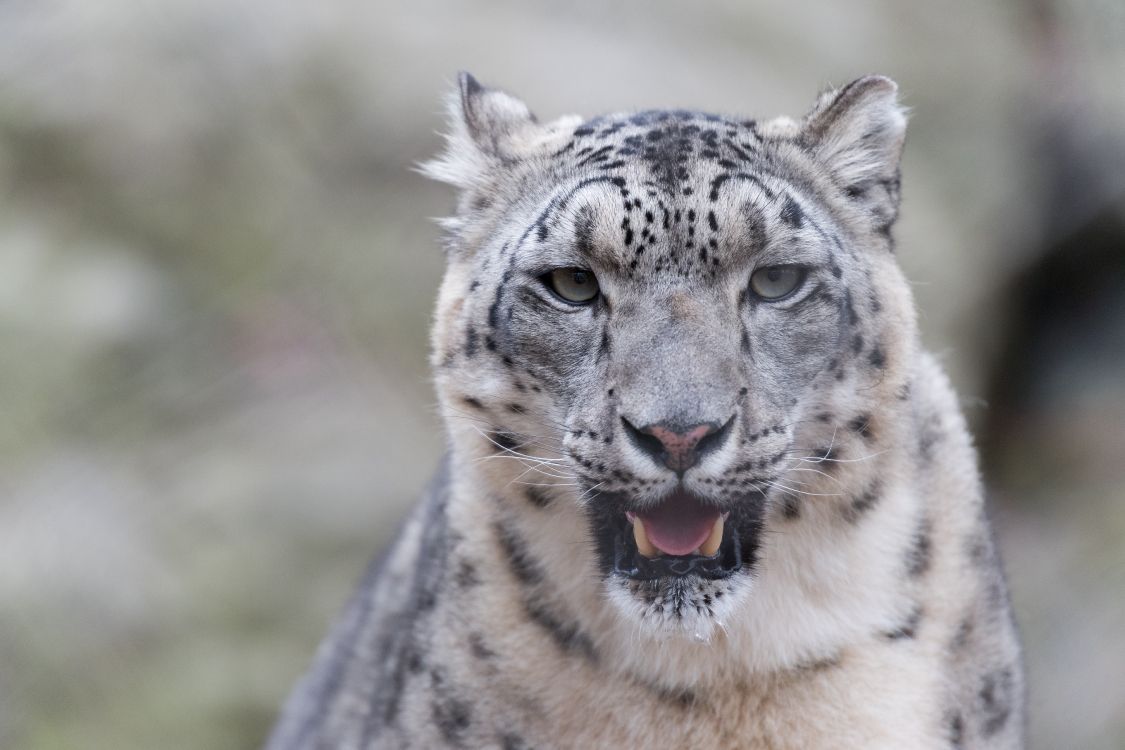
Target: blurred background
[[217, 268]]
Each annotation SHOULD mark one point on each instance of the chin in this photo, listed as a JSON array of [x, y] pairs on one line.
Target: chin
[[677, 567]]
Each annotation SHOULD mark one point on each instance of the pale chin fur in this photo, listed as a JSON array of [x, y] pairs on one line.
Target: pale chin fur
[[691, 625]]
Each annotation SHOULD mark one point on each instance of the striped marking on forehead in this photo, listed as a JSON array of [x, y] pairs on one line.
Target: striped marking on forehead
[[647, 216]]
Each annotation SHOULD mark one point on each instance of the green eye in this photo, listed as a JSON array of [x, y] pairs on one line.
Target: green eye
[[774, 282], [575, 285]]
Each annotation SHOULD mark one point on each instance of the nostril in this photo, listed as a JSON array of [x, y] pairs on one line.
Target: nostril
[[645, 442], [677, 447], [714, 440]]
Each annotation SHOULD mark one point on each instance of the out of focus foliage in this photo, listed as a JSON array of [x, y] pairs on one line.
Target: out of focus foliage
[[216, 267]]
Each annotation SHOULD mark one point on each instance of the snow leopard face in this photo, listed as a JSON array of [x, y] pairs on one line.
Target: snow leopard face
[[670, 321]]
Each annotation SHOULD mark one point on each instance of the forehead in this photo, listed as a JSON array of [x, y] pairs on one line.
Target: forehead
[[677, 192], [667, 146]]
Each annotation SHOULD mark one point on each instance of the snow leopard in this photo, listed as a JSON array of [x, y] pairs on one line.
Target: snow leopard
[[703, 487]]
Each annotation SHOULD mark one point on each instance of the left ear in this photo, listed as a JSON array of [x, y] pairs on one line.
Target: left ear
[[857, 133]]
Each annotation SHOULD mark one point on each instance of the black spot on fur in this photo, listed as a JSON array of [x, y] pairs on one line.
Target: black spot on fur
[[955, 725], [503, 441], [480, 649], [678, 698], [979, 550], [827, 455], [928, 436], [862, 504], [566, 635], [861, 425], [605, 345], [451, 715], [849, 306], [877, 358], [513, 742], [470, 401], [519, 558], [792, 214], [919, 555], [820, 665], [494, 308], [467, 576], [963, 634], [908, 629], [583, 234], [537, 497], [995, 700], [791, 507], [471, 342], [857, 344]]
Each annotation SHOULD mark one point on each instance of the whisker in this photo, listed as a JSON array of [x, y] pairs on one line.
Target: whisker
[[795, 491], [821, 459], [824, 474]]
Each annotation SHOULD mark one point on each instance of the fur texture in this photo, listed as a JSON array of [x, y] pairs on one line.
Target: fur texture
[[869, 611]]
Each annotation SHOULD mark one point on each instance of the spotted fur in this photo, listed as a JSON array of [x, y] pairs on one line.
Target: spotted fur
[[870, 610]]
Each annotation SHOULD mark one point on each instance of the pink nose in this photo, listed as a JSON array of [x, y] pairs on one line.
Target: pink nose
[[677, 449]]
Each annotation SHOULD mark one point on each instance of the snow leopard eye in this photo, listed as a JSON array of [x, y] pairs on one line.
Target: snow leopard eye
[[776, 282], [574, 285]]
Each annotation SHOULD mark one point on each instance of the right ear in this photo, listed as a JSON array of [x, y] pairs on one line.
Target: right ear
[[492, 118], [489, 130], [486, 129]]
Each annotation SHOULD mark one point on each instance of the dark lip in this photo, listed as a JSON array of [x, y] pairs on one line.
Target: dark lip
[[628, 562], [612, 534]]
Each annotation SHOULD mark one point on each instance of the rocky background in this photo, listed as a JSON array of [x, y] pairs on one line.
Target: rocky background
[[217, 266]]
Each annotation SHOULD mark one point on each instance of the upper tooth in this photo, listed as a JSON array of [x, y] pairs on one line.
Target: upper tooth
[[711, 546], [644, 546]]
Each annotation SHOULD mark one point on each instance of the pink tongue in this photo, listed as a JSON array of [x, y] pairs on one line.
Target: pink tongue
[[679, 524]]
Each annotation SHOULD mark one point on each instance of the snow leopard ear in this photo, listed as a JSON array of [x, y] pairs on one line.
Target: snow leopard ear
[[489, 130], [492, 118], [857, 132]]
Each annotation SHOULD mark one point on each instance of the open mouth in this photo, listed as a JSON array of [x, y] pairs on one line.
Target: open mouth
[[681, 536]]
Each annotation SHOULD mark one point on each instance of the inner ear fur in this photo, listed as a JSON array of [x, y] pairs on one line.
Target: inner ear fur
[[858, 131]]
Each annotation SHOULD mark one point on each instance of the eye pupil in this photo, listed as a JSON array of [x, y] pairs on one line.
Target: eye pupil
[[574, 285], [776, 282]]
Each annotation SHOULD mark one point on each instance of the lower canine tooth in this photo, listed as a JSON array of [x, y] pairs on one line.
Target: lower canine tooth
[[644, 546], [711, 546]]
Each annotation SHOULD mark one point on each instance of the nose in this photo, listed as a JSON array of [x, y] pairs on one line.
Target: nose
[[678, 448]]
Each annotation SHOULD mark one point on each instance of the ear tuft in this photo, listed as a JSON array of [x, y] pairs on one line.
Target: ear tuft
[[491, 131], [494, 118], [488, 128], [858, 131]]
